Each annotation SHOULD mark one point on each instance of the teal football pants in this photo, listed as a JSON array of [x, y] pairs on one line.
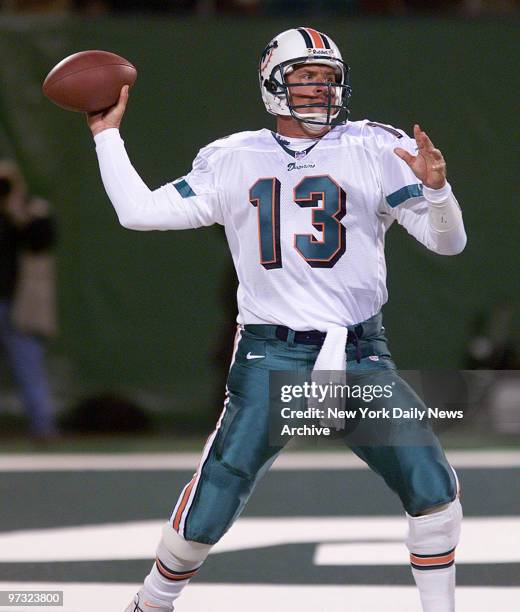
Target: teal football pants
[[406, 453]]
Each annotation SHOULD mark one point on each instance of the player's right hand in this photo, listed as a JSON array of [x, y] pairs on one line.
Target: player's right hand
[[110, 117]]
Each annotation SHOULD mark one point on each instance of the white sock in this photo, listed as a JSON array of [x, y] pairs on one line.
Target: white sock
[[436, 589], [159, 589], [176, 563], [431, 540]]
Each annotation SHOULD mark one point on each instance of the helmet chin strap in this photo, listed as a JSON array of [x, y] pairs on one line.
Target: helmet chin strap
[[314, 128]]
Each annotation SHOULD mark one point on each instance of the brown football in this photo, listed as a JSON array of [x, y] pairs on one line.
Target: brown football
[[88, 81]]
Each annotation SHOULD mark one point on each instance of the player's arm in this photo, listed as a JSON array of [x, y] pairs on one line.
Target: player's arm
[[173, 206], [432, 214]]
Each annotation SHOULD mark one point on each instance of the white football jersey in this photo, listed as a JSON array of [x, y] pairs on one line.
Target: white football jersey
[[307, 231]]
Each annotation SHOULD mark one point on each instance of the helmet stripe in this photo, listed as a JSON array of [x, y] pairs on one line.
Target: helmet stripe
[[316, 38], [306, 38], [325, 41]]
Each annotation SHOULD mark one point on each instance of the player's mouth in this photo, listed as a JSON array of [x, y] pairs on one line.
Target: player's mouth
[[310, 101]]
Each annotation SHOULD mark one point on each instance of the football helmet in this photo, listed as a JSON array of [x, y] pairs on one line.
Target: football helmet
[[291, 49]]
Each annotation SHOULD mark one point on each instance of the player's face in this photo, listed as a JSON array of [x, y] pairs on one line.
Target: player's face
[[317, 75]]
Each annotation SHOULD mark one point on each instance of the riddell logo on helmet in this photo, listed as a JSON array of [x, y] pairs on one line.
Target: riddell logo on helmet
[[321, 51]]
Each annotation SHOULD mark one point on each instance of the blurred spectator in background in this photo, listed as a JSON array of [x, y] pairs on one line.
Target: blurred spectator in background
[[96, 7], [427, 7], [293, 8], [490, 7], [382, 7], [494, 343], [35, 6], [310, 8], [238, 6], [313, 8], [90, 7], [27, 305]]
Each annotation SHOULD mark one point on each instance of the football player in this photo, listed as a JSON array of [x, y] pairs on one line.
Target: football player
[[305, 210]]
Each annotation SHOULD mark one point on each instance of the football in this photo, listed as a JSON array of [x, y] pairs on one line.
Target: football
[[88, 81]]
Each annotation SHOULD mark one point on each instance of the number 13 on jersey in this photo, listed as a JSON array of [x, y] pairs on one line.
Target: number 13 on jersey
[[328, 203]]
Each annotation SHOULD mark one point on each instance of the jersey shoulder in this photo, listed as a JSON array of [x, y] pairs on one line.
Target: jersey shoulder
[[252, 140], [374, 134]]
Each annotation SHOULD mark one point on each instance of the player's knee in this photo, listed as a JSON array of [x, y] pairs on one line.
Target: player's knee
[[427, 502], [435, 533], [431, 492], [220, 499], [187, 551], [433, 509]]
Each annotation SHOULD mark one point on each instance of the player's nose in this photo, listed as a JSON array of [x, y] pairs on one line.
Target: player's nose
[[320, 90], [322, 85]]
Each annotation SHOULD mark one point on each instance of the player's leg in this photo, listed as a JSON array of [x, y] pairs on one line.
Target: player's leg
[[432, 538], [408, 455], [27, 360], [237, 454]]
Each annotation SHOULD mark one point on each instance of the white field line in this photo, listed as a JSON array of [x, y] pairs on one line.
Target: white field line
[[71, 462], [85, 597], [339, 540]]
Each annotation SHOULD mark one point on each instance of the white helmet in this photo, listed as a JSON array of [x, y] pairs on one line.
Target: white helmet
[[279, 58]]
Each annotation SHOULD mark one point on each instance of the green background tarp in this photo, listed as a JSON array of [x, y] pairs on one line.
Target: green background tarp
[[144, 310]]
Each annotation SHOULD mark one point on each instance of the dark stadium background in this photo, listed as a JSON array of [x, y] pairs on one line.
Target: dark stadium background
[[144, 316]]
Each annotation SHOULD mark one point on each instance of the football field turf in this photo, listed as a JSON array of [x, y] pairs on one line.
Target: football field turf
[[321, 532]]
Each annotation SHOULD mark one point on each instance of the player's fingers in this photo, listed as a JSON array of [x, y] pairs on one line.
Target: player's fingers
[[437, 160], [439, 166], [418, 135], [93, 118], [404, 155], [428, 144], [423, 140], [123, 98]]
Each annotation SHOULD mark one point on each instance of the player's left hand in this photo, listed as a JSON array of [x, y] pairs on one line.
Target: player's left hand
[[428, 165]]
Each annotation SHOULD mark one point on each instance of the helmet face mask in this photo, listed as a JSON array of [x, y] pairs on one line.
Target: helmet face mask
[[333, 112], [291, 50]]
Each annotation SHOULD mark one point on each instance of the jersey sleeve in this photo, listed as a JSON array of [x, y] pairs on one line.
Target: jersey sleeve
[[186, 203], [400, 185], [200, 189], [402, 199], [436, 224]]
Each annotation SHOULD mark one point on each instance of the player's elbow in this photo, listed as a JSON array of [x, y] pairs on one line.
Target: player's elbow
[[459, 244], [132, 222], [452, 246], [448, 242]]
